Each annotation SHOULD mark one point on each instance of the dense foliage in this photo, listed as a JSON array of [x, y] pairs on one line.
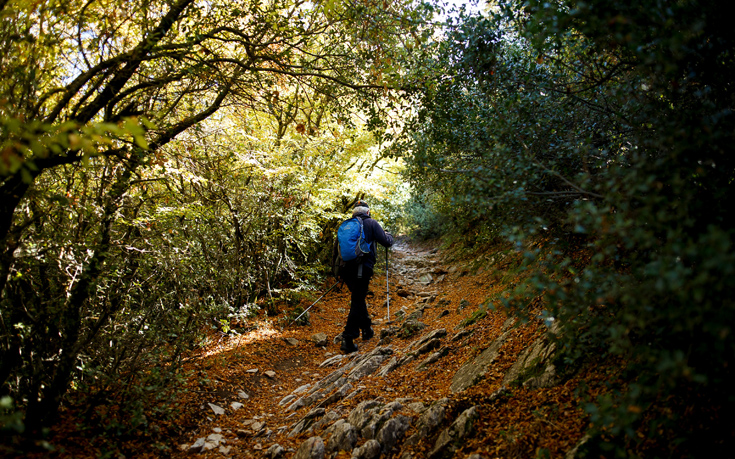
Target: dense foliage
[[601, 128], [166, 165]]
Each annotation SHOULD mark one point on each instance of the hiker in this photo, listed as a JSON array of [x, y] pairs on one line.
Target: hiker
[[357, 277]]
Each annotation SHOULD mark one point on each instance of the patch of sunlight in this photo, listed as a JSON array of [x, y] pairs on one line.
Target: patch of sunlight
[[263, 331]]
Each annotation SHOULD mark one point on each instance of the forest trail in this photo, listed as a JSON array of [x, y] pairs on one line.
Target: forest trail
[[416, 277], [443, 358]]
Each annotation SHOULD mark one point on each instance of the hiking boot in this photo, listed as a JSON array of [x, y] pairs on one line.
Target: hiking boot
[[367, 333], [348, 346]]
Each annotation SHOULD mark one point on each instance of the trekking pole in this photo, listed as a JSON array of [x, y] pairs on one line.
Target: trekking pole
[[307, 309], [387, 290]]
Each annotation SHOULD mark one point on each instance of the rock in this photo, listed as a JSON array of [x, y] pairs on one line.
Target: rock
[[362, 414], [313, 448], [306, 421], [343, 436], [287, 399], [426, 279], [389, 331], [319, 339], [225, 449], [366, 367], [416, 407], [416, 315], [236, 405], [257, 426], [301, 389], [216, 438], [218, 410], [462, 304], [388, 367], [332, 360], [291, 341], [450, 438], [392, 431], [252, 370], [270, 373], [370, 450], [428, 421], [433, 358], [431, 336], [473, 371], [462, 334], [198, 445], [535, 365], [429, 346], [274, 452], [328, 418], [378, 418], [242, 394], [411, 327], [338, 395], [403, 293], [306, 400]]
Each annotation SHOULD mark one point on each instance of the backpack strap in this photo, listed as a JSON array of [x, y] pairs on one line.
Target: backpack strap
[[362, 237]]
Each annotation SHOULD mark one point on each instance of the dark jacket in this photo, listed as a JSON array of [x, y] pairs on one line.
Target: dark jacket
[[374, 233]]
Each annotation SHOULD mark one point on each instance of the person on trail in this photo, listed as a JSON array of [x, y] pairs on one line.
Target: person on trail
[[357, 277]]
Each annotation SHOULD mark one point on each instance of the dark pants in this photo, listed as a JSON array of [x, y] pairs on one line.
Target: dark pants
[[358, 319]]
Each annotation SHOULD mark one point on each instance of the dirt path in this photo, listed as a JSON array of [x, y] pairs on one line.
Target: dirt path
[[415, 276], [263, 389]]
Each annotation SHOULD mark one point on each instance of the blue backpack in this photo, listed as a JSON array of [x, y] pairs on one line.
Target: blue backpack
[[350, 245]]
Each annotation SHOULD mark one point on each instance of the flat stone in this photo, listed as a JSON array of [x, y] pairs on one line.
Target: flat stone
[[319, 339], [198, 445], [313, 448], [215, 437], [217, 409]]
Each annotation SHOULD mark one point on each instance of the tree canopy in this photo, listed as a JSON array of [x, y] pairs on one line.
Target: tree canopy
[[167, 165]]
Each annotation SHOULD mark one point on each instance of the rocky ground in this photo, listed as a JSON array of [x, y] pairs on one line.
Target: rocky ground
[[445, 376]]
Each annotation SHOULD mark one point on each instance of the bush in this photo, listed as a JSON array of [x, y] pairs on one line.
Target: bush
[[604, 131]]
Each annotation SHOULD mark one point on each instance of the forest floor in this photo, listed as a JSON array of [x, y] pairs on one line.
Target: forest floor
[[260, 368]]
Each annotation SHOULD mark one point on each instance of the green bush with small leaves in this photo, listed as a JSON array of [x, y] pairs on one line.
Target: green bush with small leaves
[[603, 133]]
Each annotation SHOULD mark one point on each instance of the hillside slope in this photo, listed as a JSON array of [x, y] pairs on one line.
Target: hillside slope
[[442, 377]]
